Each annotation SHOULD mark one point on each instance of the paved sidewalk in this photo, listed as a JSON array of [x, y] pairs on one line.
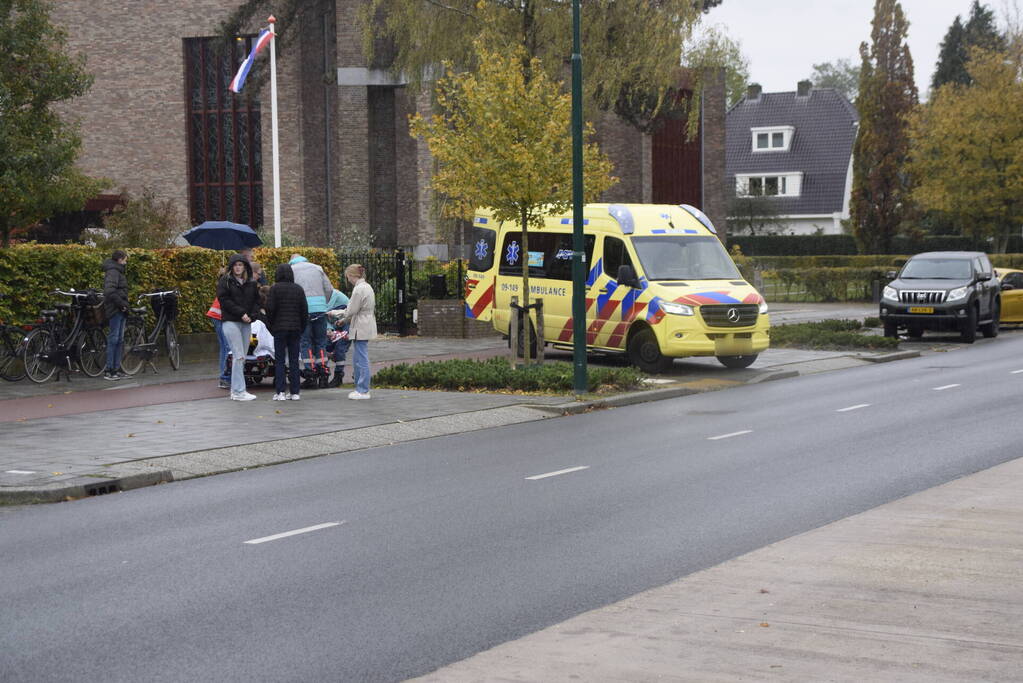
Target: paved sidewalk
[[924, 589]]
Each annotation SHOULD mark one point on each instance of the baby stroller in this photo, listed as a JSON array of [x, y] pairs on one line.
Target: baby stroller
[[259, 361]]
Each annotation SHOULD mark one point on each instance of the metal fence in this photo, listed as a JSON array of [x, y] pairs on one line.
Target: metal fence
[[399, 281]]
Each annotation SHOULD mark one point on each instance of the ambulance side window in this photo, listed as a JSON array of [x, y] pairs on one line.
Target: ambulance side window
[[615, 255], [483, 242], [560, 267]]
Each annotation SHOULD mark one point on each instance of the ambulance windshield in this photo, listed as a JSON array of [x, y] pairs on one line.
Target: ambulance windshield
[[684, 257]]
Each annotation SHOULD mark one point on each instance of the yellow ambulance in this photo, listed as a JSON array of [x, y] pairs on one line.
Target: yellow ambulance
[[659, 286]]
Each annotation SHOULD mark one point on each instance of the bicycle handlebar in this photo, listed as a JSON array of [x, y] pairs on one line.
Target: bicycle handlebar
[[71, 294], [152, 294]]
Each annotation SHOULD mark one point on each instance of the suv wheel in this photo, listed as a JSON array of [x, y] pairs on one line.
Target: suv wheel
[[968, 331], [991, 329]]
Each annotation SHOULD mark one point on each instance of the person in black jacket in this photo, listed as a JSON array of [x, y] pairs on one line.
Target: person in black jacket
[[238, 294], [287, 314], [115, 306]]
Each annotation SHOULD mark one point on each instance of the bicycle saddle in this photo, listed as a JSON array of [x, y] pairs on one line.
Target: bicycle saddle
[[141, 310], [48, 314]]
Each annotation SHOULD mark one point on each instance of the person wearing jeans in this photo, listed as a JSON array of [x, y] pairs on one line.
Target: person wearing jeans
[[362, 327], [238, 294], [287, 314], [316, 285], [115, 306]]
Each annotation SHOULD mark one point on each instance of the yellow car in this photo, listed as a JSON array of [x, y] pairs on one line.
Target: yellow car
[[1012, 294]]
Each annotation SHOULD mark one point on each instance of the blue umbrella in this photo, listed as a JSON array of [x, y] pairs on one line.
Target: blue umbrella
[[222, 235]]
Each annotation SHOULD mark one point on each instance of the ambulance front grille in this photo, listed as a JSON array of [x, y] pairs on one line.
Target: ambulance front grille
[[730, 315]]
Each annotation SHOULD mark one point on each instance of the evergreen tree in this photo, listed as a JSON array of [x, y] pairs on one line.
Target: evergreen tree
[[979, 31], [951, 67], [37, 148], [887, 94]]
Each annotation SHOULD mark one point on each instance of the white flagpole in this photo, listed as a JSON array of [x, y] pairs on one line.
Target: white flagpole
[[273, 126]]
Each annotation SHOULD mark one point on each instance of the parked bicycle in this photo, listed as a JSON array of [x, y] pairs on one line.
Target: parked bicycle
[[69, 337], [12, 350], [141, 349]]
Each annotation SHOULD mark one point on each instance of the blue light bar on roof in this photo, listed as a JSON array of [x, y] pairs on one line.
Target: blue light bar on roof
[[624, 217], [480, 220], [700, 216]]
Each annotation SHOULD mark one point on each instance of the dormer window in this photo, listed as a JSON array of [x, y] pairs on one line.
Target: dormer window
[[769, 185], [772, 138]]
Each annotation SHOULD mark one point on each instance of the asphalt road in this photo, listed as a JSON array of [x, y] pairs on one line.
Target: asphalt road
[[441, 548]]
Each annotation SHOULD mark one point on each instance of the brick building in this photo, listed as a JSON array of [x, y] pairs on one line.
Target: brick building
[[160, 116]]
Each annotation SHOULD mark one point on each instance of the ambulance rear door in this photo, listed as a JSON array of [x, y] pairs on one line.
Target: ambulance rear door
[[481, 274]]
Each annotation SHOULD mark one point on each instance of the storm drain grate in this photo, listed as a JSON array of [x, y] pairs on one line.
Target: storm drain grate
[[102, 489]]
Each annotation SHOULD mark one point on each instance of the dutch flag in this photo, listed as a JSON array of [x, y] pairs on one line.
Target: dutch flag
[[243, 71]]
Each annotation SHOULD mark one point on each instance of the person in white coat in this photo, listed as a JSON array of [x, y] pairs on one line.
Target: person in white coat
[[362, 326]]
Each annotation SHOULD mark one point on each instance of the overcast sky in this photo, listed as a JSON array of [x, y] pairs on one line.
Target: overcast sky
[[783, 39]]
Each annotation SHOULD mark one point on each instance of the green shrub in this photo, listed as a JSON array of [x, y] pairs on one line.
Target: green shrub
[[29, 272], [828, 334], [497, 374]]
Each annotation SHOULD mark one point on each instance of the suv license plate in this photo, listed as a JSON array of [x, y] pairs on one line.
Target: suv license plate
[[921, 309]]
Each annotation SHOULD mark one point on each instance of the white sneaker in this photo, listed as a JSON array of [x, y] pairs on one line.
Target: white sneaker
[[294, 397], [355, 396], [244, 396], [280, 397]]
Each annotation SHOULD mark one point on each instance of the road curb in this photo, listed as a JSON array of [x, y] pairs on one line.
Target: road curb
[[887, 357], [82, 487]]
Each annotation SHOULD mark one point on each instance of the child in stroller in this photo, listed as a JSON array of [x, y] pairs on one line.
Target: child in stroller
[[259, 361]]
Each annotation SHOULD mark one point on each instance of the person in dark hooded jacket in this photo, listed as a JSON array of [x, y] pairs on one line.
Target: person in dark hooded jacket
[[287, 314], [115, 306], [238, 294]]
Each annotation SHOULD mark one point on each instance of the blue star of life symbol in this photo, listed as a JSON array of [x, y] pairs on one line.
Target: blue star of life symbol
[[481, 250], [513, 253]]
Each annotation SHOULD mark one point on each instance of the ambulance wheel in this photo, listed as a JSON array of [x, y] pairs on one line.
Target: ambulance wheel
[[645, 354], [737, 361]]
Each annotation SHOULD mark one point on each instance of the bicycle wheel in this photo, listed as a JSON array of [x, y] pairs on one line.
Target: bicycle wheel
[[134, 335], [173, 348], [39, 343], [12, 357], [92, 351]]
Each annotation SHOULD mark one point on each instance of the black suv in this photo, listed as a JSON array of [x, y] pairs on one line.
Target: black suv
[[943, 290]]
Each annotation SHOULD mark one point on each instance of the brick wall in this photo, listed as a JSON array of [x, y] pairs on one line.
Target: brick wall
[[715, 199], [446, 318], [133, 119]]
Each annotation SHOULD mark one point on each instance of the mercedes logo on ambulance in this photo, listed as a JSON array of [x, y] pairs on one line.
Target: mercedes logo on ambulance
[[733, 315]]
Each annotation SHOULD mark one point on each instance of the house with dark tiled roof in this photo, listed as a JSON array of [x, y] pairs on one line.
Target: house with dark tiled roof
[[794, 148]]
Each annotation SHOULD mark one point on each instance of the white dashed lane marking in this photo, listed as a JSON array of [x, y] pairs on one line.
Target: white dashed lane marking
[[946, 386], [285, 534], [855, 407], [554, 474], [729, 435]]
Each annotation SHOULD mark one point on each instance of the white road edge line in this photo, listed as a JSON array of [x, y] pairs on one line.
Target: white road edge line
[[294, 533], [1015, 372], [946, 386], [19, 472], [727, 436], [554, 474], [855, 407]]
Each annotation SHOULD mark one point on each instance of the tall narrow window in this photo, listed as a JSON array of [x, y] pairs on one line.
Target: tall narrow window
[[225, 171]]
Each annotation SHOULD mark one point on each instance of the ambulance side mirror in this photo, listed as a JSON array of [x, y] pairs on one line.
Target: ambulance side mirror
[[627, 276]]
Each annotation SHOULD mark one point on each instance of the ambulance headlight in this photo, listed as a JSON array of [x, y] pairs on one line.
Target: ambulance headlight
[[676, 308], [763, 307]]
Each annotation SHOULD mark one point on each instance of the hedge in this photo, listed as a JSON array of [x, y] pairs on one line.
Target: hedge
[[811, 245], [29, 272]]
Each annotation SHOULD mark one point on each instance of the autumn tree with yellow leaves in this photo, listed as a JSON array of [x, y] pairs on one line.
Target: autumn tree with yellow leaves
[[967, 148], [502, 140]]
